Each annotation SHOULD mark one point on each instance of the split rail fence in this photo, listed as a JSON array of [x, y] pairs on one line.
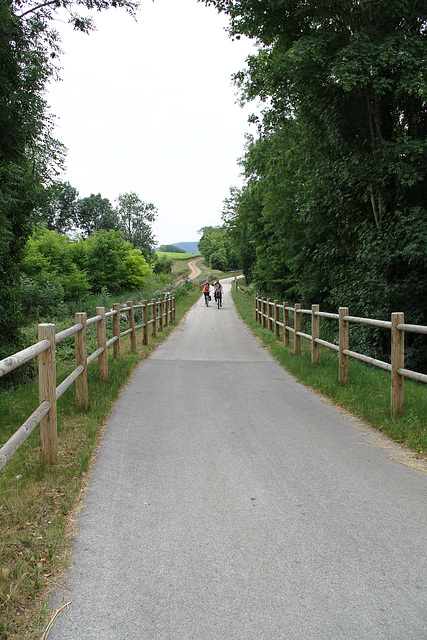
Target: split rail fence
[[267, 314], [156, 314]]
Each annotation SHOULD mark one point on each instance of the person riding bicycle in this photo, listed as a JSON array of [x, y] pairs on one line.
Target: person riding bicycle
[[207, 291], [218, 292]]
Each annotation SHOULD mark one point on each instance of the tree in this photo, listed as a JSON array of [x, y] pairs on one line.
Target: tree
[[171, 248], [216, 247], [162, 264], [95, 213], [112, 263], [344, 216], [58, 211], [29, 156], [136, 217], [49, 255]]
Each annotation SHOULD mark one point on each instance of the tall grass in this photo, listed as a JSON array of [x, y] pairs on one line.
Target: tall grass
[[36, 499], [368, 395]]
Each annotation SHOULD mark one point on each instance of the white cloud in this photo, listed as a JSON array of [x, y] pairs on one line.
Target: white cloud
[[150, 107]]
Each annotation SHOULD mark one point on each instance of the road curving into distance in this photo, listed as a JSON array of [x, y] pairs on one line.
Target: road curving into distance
[[194, 269], [229, 502]]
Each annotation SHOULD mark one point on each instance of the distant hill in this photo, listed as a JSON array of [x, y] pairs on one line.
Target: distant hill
[[189, 247]]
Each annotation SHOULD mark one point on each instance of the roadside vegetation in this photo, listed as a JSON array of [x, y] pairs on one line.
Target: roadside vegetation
[[37, 500], [366, 396], [175, 264], [333, 208]]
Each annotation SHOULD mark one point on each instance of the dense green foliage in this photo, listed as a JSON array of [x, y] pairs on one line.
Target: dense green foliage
[[162, 264], [58, 270], [216, 247], [171, 248], [334, 208], [29, 157]]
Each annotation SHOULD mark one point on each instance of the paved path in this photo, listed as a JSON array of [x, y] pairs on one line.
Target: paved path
[[228, 502]]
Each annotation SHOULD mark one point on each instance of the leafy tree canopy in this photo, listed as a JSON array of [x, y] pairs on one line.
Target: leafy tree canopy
[[95, 213], [171, 248], [216, 247], [334, 207], [72, 268], [30, 158], [59, 205], [135, 218]]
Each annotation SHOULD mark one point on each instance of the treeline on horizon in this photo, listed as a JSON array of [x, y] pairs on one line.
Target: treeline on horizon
[[333, 209]]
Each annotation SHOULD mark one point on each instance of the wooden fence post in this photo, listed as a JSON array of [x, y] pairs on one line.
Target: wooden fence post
[[173, 308], [315, 333], [269, 323], [80, 342], [297, 328], [285, 324], [161, 315], [276, 320], [397, 362], [116, 330], [263, 313], [102, 342], [343, 344], [145, 322], [153, 318], [47, 391], [131, 320], [166, 321], [256, 309]]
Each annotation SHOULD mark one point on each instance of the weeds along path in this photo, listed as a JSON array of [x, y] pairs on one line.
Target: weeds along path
[[228, 501]]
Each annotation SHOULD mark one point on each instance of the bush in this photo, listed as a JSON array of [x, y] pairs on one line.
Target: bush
[[42, 295], [162, 265]]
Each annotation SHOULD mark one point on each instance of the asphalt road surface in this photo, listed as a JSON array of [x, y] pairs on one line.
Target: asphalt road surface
[[228, 502]]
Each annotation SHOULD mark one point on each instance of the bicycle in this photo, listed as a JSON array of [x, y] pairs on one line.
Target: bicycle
[[218, 298]]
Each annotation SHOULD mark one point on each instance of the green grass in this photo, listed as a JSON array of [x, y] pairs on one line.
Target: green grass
[[36, 499], [368, 394], [177, 256]]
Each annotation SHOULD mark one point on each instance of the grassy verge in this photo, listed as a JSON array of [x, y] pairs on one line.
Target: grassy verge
[[366, 396], [36, 500]]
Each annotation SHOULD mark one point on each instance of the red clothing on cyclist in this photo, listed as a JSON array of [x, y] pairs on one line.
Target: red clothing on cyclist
[[207, 291]]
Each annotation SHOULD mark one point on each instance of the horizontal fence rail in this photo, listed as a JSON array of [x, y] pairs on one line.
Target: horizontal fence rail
[[156, 315], [267, 313]]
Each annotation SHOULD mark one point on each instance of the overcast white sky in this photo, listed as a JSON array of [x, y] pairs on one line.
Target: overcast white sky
[[149, 107]]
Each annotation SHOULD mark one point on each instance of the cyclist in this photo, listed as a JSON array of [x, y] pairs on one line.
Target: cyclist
[[207, 291], [218, 292]]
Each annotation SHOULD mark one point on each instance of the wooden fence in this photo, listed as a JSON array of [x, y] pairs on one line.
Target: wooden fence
[[267, 313], [156, 314]]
